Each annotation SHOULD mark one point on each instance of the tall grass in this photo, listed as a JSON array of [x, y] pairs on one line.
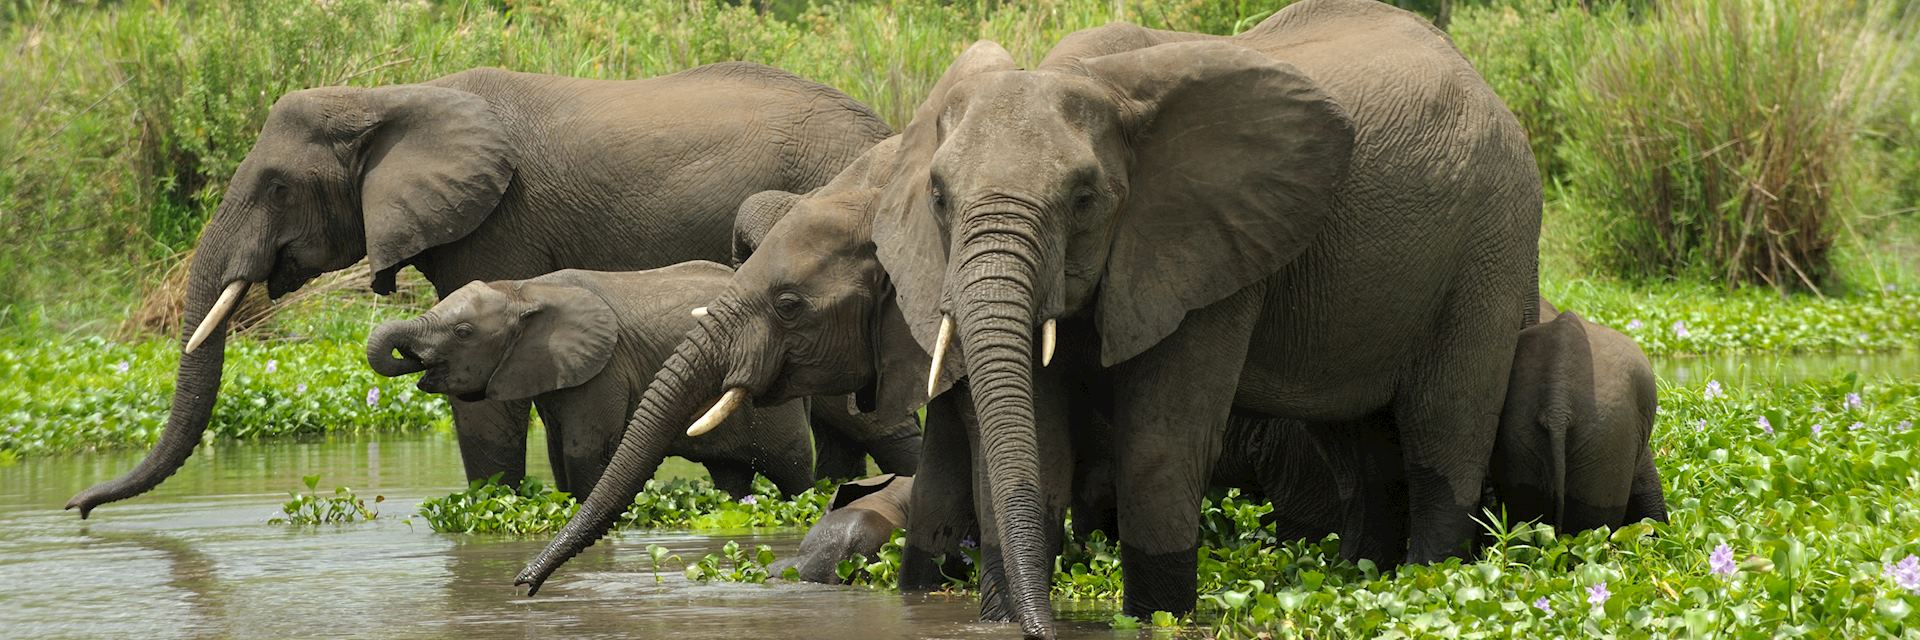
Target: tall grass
[[1722, 135]]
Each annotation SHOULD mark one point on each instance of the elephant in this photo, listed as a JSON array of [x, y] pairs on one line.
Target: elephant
[[490, 175], [1323, 218], [859, 520], [1573, 448], [809, 313], [581, 345]]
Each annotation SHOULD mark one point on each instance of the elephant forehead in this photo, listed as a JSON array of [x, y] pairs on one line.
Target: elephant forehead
[[477, 299]]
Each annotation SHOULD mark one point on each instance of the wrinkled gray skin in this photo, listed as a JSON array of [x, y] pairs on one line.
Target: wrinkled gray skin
[[1573, 449], [1322, 218], [861, 518], [582, 345], [809, 313], [495, 175]]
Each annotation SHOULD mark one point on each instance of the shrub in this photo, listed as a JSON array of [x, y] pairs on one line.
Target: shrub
[[1719, 133]]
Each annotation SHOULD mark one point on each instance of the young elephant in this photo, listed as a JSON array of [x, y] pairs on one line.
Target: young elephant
[[582, 345], [861, 517], [1572, 449]]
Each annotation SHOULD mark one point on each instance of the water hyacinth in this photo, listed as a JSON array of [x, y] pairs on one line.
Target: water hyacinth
[[1713, 390], [1542, 605], [1856, 426], [1817, 428], [1721, 560], [1765, 425], [1853, 402], [373, 398], [1904, 425], [1597, 594], [1905, 574], [1700, 425], [1635, 324], [1680, 329], [273, 365], [749, 500], [300, 388]]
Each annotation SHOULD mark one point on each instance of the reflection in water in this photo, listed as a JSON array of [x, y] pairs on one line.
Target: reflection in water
[[197, 559]]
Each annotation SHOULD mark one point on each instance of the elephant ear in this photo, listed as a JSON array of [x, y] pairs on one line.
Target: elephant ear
[[908, 241], [435, 166], [857, 489], [900, 367], [563, 336], [757, 215], [1236, 160]]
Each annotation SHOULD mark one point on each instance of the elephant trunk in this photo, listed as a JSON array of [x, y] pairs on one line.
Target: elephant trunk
[[389, 337], [196, 383], [995, 317], [687, 381]]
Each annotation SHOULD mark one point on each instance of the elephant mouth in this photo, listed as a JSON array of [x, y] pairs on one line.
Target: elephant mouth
[[433, 381], [288, 275]]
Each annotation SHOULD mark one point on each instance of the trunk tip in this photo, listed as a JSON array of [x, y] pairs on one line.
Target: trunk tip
[[532, 578], [84, 501]]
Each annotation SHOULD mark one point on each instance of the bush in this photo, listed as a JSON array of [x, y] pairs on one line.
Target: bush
[[1719, 134]]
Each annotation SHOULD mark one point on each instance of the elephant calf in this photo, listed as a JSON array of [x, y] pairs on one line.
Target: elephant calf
[[861, 517], [582, 345]]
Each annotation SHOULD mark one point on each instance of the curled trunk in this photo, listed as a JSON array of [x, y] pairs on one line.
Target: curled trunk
[[687, 381], [196, 385], [996, 328], [390, 337]]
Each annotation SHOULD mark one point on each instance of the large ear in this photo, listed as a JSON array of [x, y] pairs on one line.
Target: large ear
[[1236, 157], [563, 337], [857, 489], [757, 215], [434, 168], [905, 235], [900, 367]]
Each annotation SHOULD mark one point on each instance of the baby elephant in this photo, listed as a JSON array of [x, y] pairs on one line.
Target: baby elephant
[[861, 517], [1572, 449], [583, 345]]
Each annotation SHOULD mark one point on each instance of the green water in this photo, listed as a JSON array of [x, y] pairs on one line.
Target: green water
[[195, 558]]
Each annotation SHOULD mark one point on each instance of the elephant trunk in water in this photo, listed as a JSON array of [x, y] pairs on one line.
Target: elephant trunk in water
[[994, 292], [389, 337], [197, 382], [687, 382]]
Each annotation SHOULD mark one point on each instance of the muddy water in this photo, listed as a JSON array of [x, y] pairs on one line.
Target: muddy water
[[196, 559]]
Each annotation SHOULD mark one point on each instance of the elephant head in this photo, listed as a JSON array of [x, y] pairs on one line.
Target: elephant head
[[500, 341], [337, 174], [810, 313], [1129, 188]]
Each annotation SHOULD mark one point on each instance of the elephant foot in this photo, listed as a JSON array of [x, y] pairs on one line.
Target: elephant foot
[[1159, 582]]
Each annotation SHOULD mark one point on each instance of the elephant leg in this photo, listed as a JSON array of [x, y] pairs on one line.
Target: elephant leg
[[1170, 408], [493, 438], [734, 478], [834, 455], [941, 510], [1647, 501], [1366, 463], [1447, 412]]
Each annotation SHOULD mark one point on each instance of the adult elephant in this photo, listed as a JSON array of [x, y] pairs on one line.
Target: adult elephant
[[492, 175], [1325, 217]]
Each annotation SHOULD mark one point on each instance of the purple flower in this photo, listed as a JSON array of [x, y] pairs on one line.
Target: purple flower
[[1713, 390], [1721, 560], [1856, 426], [1700, 425], [300, 388], [122, 367], [1541, 603], [968, 542], [1765, 425], [1905, 573], [373, 398], [1817, 428], [13, 429], [1904, 425], [1597, 594], [1679, 329], [1853, 401], [1635, 324], [273, 365], [750, 500]]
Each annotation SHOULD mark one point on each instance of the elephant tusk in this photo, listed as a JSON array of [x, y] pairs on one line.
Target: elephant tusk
[[218, 314], [699, 312], [721, 409], [1046, 342], [939, 354]]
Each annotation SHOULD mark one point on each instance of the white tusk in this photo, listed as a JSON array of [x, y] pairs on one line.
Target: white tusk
[[939, 354], [699, 312], [727, 403], [1046, 343], [228, 300]]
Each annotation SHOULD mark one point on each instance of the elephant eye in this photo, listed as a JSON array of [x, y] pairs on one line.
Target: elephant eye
[[789, 305], [1083, 198], [938, 195], [463, 331]]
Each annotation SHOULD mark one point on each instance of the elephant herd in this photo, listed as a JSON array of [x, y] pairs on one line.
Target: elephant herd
[[1301, 260]]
